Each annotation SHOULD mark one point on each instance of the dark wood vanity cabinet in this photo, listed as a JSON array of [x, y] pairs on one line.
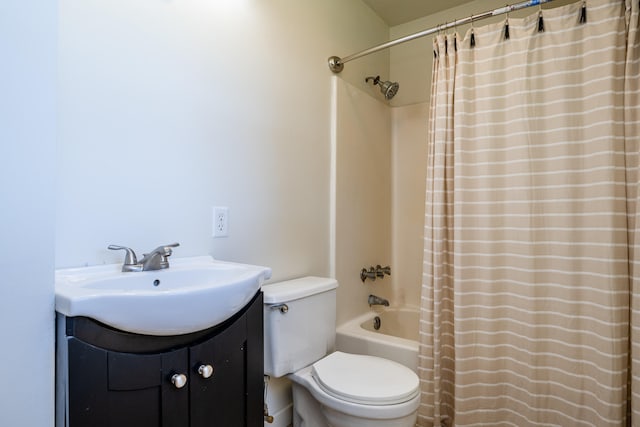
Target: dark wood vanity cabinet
[[119, 379]]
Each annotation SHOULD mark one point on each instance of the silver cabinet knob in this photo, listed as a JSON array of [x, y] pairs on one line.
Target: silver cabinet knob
[[179, 380], [205, 371]]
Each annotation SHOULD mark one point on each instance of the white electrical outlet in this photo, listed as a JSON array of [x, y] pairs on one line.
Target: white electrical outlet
[[220, 221]]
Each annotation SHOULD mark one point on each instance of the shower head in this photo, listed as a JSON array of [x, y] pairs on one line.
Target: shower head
[[388, 89]]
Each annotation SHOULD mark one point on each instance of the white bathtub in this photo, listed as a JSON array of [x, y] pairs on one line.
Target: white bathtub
[[397, 338]]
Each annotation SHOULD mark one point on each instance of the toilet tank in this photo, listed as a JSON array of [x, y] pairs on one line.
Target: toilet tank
[[299, 323]]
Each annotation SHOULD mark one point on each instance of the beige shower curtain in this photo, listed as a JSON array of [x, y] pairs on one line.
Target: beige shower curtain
[[530, 306]]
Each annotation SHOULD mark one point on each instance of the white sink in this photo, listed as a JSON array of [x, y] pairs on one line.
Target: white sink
[[192, 294]]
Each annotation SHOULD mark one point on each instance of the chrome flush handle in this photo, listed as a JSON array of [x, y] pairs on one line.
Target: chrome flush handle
[[284, 308]]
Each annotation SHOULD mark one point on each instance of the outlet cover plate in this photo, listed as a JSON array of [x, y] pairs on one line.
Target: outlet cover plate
[[220, 221]]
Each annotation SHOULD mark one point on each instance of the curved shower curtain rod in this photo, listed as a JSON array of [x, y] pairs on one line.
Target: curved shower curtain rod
[[336, 64]]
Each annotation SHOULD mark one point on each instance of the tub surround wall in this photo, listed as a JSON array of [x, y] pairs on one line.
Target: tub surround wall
[[409, 163], [363, 197]]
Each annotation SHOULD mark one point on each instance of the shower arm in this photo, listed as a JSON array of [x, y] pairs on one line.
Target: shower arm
[[376, 80], [336, 64]]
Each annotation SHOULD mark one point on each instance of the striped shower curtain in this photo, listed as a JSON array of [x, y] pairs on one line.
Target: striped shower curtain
[[530, 310]]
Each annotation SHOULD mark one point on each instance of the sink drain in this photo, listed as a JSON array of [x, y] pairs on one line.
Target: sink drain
[[156, 282]]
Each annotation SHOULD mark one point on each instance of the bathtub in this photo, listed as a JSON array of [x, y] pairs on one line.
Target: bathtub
[[397, 338]]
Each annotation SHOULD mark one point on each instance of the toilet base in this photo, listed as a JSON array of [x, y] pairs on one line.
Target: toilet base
[[306, 410], [339, 419]]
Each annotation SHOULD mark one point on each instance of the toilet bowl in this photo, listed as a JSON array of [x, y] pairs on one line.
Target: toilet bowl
[[331, 389], [361, 391]]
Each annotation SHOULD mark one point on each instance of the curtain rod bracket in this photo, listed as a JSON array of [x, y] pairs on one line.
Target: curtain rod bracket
[[335, 64]]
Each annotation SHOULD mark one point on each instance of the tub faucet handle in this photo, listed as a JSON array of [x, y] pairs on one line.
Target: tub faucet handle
[[381, 271], [371, 274]]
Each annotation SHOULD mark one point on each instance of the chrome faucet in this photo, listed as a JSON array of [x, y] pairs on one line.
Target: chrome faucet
[[154, 260], [375, 300], [372, 273], [381, 271]]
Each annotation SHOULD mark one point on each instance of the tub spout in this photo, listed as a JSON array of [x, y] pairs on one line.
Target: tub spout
[[375, 300]]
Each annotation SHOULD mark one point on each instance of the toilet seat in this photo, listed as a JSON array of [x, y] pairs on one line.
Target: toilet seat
[[365, 380], [367, 412]]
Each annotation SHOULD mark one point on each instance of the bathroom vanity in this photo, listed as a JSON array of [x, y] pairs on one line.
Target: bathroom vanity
[[172, 346], [213, 377]]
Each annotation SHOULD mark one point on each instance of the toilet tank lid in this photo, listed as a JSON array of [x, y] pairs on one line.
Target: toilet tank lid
[[278, 293]]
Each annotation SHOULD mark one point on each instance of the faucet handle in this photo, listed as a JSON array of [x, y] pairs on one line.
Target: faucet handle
[[381, 271], [165, 250], [130, 258], [364, 274]]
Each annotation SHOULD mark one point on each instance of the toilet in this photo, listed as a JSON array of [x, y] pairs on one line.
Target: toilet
[[330, 388]]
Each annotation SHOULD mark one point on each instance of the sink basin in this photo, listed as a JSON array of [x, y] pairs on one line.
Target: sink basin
[[193, 294]]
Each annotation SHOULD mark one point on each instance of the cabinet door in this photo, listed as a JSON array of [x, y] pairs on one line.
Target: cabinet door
[[133, 389], [87, 385], [112, 389], [175, 400], [220, 400]]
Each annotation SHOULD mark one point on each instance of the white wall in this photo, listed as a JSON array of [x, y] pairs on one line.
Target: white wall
[[169, 108], [27, 150]]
